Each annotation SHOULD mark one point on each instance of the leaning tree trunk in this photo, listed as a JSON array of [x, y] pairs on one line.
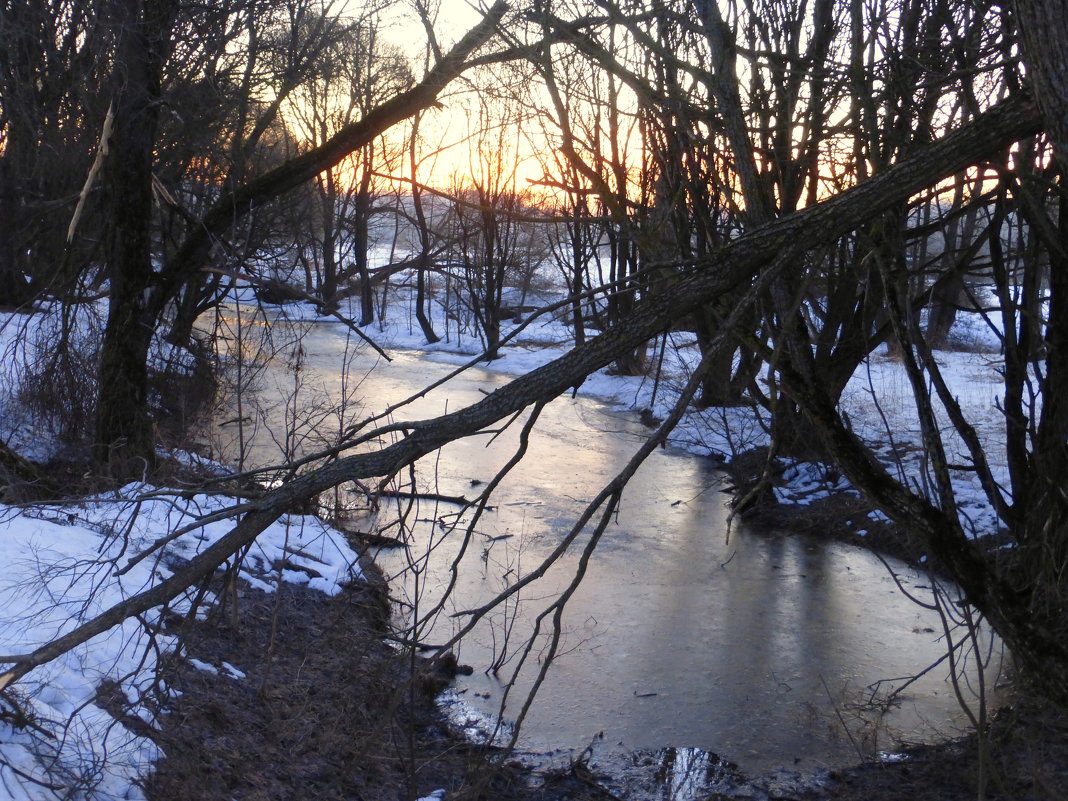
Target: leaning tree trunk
[[1045, 39], [754, 255]]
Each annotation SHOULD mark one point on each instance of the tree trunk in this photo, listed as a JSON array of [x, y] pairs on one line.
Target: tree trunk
[[420, 305], [361, 242], [718, 387], [1044, 504], [124, 442], [14, 290], [578, 323], [1045, 37], [945, 300], [328, 202]]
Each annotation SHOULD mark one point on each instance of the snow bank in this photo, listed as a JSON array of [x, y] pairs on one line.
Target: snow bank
[[65, 565]]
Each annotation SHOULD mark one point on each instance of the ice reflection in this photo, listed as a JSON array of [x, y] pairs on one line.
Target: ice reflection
[[689, 773], [761, 648]]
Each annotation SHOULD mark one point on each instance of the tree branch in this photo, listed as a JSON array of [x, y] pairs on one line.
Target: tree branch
[[735, 265], [236, 204]]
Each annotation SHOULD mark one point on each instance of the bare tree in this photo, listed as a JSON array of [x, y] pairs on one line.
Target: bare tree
[[485, 225], [354, 75], [123, 433]]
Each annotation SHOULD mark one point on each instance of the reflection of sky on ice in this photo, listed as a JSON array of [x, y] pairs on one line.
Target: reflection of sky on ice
[[782, 604], [745, 635]]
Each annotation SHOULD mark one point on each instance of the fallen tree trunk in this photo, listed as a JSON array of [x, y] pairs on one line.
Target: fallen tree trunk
[[733, 268]]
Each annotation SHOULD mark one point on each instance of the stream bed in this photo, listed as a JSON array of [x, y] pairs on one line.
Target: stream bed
[[767, 650]]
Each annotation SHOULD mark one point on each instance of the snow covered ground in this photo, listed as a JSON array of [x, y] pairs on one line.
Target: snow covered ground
[[64, 564]]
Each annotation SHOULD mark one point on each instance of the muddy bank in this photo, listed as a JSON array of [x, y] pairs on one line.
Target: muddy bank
[[299, 694], [1023, 753], [845, 516], [308, 699]]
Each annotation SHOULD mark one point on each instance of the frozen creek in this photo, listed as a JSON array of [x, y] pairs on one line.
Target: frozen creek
[[767, 650]]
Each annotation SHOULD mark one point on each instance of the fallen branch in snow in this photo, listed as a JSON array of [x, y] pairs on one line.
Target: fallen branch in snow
[[16, 473], [18, 718], [373, 540]]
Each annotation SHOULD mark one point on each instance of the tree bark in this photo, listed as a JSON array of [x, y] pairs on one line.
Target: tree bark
[[124, 444], [1045, 37], [361, 243], [14, 290], [1043, 504]]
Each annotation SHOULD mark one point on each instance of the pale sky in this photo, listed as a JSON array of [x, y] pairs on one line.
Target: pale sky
[[455, 18], [445, 126]]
